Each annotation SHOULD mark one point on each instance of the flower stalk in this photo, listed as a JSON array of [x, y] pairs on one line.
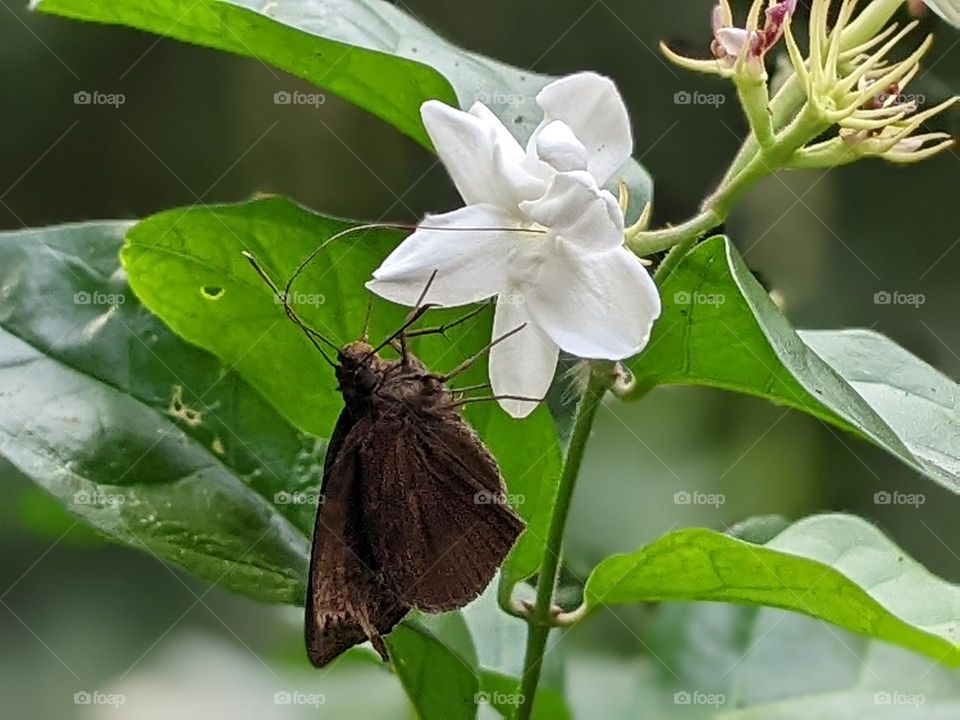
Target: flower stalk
[[541, 615]]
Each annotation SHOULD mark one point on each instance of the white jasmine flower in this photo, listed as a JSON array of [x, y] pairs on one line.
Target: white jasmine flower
[[538, 234]]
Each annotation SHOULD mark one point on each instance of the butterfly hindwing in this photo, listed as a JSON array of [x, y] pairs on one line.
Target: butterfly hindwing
[[434, 508]]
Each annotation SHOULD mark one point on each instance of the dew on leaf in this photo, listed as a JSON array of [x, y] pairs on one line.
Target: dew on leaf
[[212, 292]]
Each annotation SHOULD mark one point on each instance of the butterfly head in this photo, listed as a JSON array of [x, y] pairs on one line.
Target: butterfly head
[[359, 369]]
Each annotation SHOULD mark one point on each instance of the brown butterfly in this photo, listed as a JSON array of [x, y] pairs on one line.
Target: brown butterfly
[[413, 512]]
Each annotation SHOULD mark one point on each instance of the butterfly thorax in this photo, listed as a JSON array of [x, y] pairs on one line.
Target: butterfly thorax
[[369, 382]]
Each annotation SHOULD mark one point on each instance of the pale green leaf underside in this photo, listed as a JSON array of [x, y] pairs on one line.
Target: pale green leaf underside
[[720, 328], [837, 568]]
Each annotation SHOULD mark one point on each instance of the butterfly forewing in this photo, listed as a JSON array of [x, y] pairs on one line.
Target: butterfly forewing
[[346, 601]]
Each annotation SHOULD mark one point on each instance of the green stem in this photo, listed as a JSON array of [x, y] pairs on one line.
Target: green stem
[[654, 241], [673, 258], [540, 617]]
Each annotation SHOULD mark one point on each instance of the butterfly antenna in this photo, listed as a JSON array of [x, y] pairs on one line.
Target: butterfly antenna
[[342, 234], [396, 226], [365, 336], [315, 337]]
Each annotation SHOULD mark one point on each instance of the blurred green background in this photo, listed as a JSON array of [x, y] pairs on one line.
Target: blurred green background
[[200, 126]]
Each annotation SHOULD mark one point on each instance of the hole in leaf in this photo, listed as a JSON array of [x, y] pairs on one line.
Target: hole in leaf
[[212, 292]]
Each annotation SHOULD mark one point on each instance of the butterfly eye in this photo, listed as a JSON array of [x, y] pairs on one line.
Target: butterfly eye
[[365, 379]]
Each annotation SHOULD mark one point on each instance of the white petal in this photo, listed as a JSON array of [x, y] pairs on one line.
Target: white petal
[[511, 147], [591, 105], [558, 146], [578, 210], [949, 10], [480, 155], [471, 262], [523, 365], [594, 305]]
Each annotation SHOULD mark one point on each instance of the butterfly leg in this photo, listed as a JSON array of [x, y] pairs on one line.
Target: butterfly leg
[[469, 362], [415, 313], [489, 398], [442, 329]]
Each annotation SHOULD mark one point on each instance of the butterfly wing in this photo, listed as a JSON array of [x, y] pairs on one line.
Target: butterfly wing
[[434, 505], [347, 602]]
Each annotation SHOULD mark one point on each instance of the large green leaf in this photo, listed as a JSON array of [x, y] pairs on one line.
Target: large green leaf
[[151, 441], [837, 568], [720, 328], [187, 267], [367, 51]]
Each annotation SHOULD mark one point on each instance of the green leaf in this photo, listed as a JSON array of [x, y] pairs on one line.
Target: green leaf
[[369, 52], [720, 328], [149, 440], [441, 683], [186, 266], [837, 568]]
